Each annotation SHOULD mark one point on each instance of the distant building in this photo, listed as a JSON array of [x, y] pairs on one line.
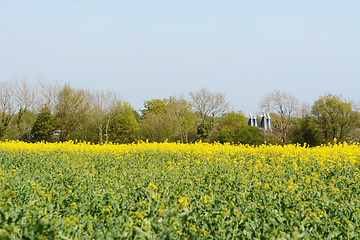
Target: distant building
[[265, 123], [253, 121]]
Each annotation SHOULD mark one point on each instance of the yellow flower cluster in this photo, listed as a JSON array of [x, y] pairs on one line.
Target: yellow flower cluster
[[157, 190]]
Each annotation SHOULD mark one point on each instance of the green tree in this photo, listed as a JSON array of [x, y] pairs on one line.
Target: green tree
[[88, 132], [123, 127], [205, 129], [305, 130], [153, 128], [21, 130], [180, 118], [169, 118], [156, 106], [71, 112], [153, 122], [43, 127], [336, 118], [234, 129]]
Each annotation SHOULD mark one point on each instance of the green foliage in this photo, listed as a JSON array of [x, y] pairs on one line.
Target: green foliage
[[20, 127], [204, 130], [153, 125], [43, 127], [168, 119], [180, 118], [305, 130], [136, 115], [234, 129], [87, 133], [251, 136], [335, 118], [123, 127], [70, 112], [5, 121], [154, 129], [156, 106], [273, 138]]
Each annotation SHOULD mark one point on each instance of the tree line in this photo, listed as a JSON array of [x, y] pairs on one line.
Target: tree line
[[53, 111], [330, 118]]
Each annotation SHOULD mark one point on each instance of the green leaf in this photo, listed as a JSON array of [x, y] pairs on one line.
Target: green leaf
[[141, 233]]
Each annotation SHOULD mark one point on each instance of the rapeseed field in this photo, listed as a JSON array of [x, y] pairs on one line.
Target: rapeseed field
[[178, 191]]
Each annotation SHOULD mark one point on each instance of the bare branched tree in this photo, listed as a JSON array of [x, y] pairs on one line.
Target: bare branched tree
[[25, 98], [103, 105], [7, 105], [25, 95], [70, 111], [178, 115], [284, 105], [47, 96], [209, 104], [305, 110]]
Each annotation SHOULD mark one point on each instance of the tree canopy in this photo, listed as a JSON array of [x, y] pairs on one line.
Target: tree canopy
[[234, 129], [336, 118]]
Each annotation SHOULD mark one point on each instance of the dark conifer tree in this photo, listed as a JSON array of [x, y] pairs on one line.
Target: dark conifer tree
[[43, 127]]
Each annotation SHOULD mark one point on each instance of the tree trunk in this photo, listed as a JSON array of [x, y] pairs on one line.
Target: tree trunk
[[100, 135]]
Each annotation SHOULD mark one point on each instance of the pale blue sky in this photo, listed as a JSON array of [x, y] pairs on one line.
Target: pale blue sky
[[154, 49]]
